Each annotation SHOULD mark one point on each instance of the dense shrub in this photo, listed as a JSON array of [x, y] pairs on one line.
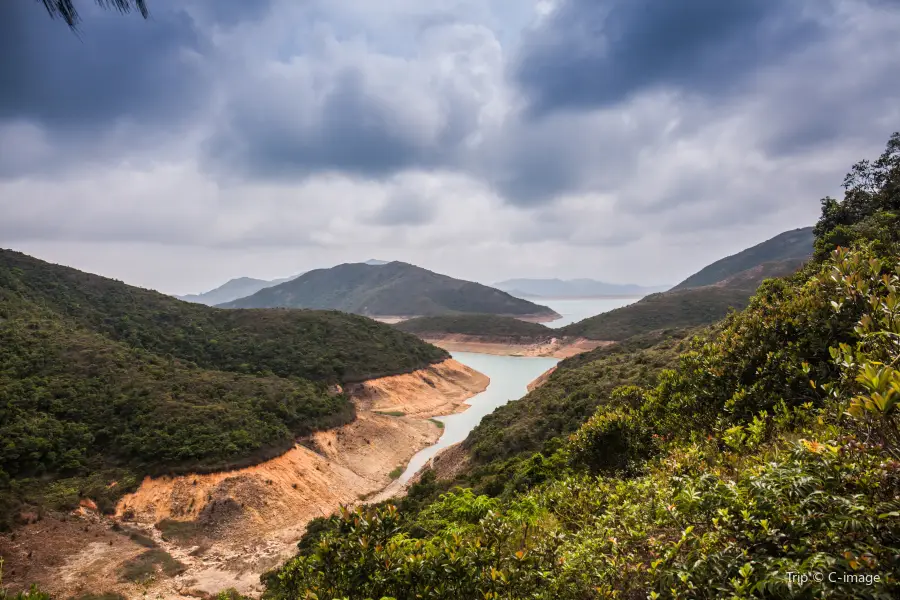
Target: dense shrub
[[764, 464]]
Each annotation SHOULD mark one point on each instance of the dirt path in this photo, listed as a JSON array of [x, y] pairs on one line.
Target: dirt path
[[228, 528]]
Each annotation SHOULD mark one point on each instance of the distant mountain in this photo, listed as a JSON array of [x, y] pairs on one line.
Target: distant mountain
[[242, 287], [392, 289], [232, 290], [684, 307], [790, 245], [572, 288]]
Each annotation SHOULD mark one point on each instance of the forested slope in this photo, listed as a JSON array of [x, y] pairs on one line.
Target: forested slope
[[770, 449], [102, 383]]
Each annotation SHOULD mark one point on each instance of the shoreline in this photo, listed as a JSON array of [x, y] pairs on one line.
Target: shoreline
[[229, 527], [551, 348]]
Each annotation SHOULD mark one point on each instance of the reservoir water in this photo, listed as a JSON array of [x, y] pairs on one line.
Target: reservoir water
[[510, 376], [576, 309]]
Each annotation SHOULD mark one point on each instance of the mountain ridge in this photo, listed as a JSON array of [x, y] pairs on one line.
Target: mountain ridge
[[792, 244], [395, 289]]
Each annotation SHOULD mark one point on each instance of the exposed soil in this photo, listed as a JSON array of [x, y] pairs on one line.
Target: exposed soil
[[552, 347], [541, 379], [228, 528]]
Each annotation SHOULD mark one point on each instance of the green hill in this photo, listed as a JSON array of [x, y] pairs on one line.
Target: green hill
[[494, 326], [768, 450], [794, 244], [682, 308], [392, 289], [678, 308], [101, 382], [320, 345]]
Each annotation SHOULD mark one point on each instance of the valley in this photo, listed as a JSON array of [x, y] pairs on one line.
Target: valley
[[549, 300], [399, 413]]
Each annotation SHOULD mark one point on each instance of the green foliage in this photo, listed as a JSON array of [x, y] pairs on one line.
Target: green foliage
[[102, 382], [677, 309], [870, 210], [318, 345], [489, 326], [764, 464], [539, 421]]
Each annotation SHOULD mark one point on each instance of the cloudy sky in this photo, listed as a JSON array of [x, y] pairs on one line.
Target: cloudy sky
[[625, 140]]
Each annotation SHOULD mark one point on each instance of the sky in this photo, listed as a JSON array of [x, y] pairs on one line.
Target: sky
[[632, 141]]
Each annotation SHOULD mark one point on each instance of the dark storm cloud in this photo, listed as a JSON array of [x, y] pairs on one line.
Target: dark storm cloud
[[353, 132], [115, 67], [593, 53], [329, 107]]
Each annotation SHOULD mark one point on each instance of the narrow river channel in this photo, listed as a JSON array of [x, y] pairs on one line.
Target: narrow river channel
[[510, 376]]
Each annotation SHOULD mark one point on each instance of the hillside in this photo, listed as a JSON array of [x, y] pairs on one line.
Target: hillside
[[394, 289], [320, 345], [490, 326], [541, 420], [573, 288], [691, 307], [682, 308], [767, 450], [101, 381], [790, 245]]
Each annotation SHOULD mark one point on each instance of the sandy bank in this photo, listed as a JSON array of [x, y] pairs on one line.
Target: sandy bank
[[553, 347], [440, 389], [541, 379], [228, 528]]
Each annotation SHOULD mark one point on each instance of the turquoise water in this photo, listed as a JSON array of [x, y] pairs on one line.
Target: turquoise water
[[510, 376], [576, 309]]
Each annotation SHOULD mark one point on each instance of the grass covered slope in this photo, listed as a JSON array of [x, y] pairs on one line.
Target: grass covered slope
[[318, 345], [492, 326], [771, 449], [682, 308], [691, 307], [392, 289], [790, 245], [102, 382]]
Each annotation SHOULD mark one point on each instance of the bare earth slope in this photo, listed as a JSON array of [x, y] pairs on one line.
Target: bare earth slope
[[227, 528]]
